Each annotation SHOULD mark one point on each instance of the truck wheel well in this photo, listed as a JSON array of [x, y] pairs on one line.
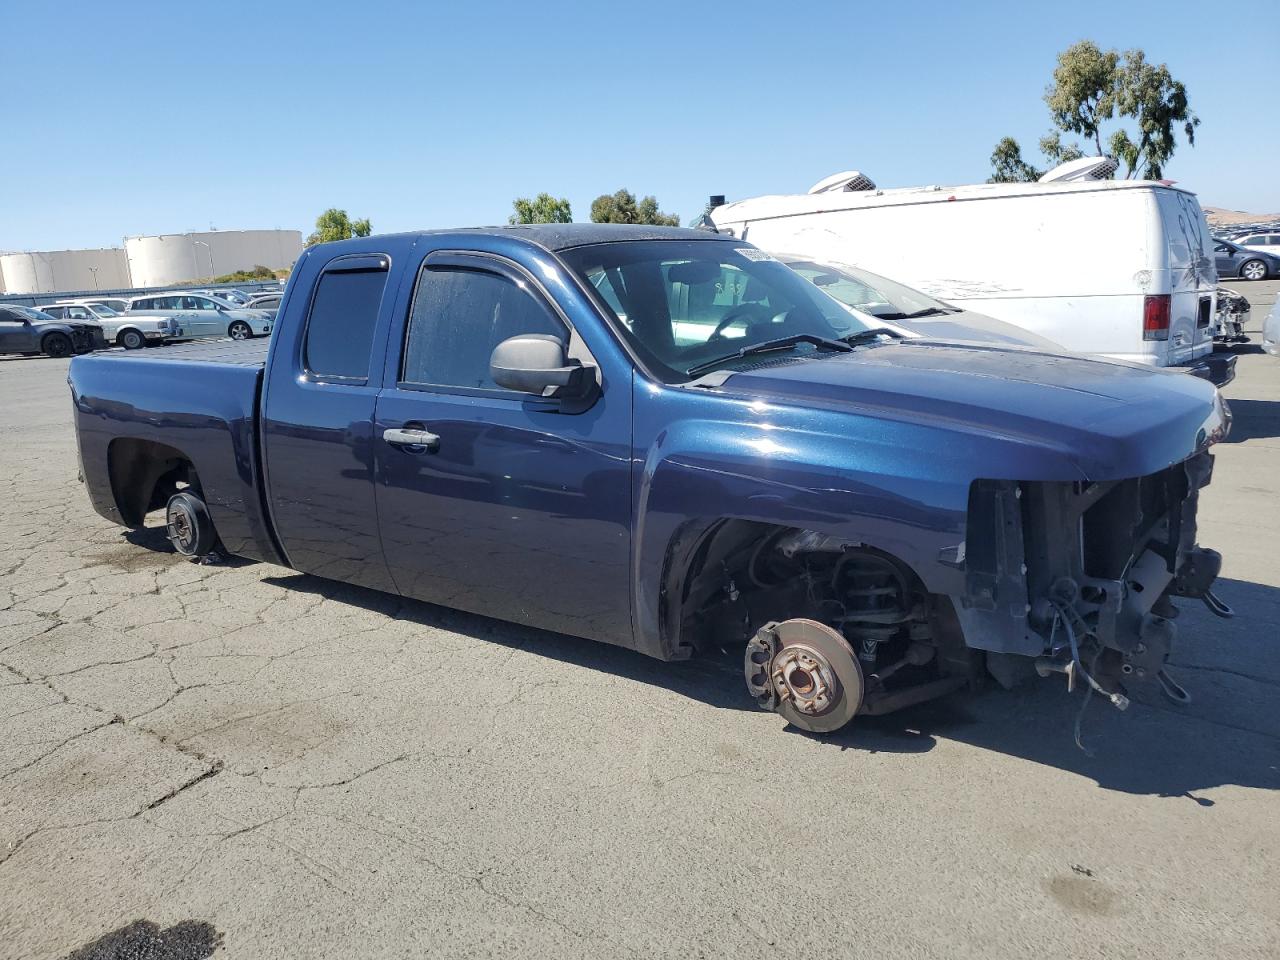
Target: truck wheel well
[[739, 574], [144, 475]]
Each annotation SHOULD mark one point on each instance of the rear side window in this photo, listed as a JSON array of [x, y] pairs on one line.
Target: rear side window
[[459, 316], [340, 329]]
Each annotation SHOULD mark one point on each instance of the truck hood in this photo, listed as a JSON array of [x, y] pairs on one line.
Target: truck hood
[[1112, 419]]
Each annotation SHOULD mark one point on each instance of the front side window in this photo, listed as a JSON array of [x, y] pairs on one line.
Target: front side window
[[459, 316], [684, 303], [344, 313]]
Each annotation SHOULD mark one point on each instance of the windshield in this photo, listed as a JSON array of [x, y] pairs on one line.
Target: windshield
[[102, 310], [684, 303], [866, 291]]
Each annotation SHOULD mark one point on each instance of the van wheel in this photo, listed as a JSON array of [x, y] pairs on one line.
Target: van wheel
[[56, 345], [239, 330], [131, 340], [1253, 270], [188, 526]]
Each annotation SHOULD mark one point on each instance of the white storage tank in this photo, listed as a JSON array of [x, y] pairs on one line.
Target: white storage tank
[[55, 271], [161, 261]]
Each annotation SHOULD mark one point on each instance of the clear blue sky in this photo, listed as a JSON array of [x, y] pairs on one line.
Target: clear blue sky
[[132, 118]]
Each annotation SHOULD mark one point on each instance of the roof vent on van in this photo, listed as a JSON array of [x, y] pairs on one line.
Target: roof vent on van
[[850, 181], [1086, 168]]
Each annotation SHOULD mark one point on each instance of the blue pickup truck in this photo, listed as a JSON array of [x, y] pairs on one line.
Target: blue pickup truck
[[667, 440]]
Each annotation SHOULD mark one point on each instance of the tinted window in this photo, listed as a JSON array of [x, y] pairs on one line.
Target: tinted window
[[459, 316], [343, 315], [140, 305], [56, 312]]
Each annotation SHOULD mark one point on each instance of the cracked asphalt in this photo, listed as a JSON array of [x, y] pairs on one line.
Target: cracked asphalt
[[295, 768]]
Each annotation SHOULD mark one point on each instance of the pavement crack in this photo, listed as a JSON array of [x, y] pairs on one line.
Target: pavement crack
[[207, 774]]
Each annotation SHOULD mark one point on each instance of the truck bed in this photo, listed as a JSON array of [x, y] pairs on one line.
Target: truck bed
[[197, 401]]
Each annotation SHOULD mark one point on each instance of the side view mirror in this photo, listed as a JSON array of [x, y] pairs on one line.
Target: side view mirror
[[538, 363]]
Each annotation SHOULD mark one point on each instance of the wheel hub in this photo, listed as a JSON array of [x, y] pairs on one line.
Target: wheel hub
[[805, 671]]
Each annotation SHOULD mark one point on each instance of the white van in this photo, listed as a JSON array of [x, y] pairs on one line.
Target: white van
[[1120, 269]]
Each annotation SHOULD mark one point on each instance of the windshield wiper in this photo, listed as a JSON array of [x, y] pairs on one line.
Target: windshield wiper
[[866, 336], [917, 314], [768, 346]]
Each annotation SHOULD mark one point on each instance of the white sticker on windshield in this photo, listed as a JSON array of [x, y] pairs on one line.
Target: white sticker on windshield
[[751, 253]]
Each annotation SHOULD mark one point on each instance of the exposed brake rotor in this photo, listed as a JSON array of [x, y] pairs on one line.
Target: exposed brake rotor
[[805, 671]]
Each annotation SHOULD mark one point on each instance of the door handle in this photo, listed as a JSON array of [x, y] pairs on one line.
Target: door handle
[[423, 440]]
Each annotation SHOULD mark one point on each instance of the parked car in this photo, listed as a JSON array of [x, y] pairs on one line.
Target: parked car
[[883, 299], [1234, 260], [1231, 318], [1113, 268], [206, 316], [130, 332], [666, 440], [269, 302], [1271, 331], [31, 331], [1260, 242]]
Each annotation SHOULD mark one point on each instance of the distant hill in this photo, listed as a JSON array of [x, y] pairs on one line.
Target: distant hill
[[1219, 217]]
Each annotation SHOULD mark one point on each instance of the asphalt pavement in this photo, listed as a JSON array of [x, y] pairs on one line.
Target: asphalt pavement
[[244, 758]]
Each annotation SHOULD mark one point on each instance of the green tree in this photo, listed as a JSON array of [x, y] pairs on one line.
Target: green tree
[[1092, 87], [544, 208], [334, 224], [1007, 165], [622, 207]]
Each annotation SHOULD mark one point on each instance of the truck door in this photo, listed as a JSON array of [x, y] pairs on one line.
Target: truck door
[[317, 426], [512, 507]]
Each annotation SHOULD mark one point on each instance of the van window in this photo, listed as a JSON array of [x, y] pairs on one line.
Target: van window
[[142, 304], [340, 329], [459, 316]]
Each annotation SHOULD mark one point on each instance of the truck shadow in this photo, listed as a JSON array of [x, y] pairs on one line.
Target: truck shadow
[[1253, 420], [1229, 735]]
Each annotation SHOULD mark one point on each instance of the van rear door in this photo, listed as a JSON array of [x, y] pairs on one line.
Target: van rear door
[[1192, 278]]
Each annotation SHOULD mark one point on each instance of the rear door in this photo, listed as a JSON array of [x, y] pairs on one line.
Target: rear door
[[317, 424], [1192, 276], [519, 510]]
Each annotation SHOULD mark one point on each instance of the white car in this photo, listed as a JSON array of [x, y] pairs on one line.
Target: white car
[[132, 333], [206, 316], [1264, 242]]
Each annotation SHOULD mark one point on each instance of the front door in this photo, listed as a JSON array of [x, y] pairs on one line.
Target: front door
[[516, 509], [203, 318], [16, 335]]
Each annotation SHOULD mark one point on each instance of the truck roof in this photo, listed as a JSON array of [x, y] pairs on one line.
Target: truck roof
[[781, 205], [552, 236]]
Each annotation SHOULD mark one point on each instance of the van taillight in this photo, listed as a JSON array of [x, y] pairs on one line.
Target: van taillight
[[1155, 317]]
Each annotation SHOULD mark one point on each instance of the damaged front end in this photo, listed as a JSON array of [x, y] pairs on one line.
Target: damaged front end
[[1079, 578]]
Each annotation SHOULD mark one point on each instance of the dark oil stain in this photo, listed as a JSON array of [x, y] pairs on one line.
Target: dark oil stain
[[1082, 894], [128, 558], [144, 940]]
